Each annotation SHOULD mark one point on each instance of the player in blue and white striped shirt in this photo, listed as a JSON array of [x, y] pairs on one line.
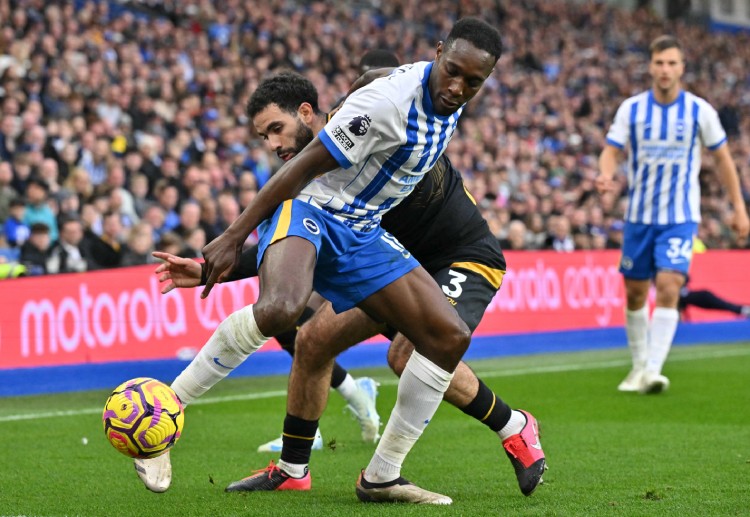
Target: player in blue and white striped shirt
[[664, 129], [318, 219]]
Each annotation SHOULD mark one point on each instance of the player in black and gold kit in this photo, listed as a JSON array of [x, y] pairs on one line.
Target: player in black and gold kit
[[441, 226]]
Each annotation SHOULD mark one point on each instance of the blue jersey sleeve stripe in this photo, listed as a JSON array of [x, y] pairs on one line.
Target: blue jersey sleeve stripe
[[681, 116], [717, 145], [671, 206], [656, 201], [342, 160], [649, 116], [615, 144], [643, 187]]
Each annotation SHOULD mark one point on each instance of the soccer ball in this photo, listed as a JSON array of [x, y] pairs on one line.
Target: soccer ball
[[143, 418]]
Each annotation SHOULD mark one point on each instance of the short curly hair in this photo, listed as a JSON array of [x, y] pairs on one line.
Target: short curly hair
[[287, 90], [479, 33]]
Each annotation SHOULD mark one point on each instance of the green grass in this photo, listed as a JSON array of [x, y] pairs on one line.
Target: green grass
[[684, 452]]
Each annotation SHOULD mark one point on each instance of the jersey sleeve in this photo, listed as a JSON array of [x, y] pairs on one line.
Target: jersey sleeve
[[366, 123], [619, 131], [711, 130]]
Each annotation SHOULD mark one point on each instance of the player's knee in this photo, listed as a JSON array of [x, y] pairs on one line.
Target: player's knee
[[398, 355], [278, 315], [452, 342], [309, 349], [463, 337]]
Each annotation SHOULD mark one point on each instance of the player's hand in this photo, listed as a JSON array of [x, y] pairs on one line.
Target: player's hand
[[604, 183], [178, 271], [741, 224], [222, 256]]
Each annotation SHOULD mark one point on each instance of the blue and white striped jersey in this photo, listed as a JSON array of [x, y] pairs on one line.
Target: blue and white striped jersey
[[385, 137], [665, 155]]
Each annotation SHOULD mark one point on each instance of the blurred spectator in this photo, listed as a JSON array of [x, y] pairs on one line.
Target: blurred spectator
[[35, 251], [7, 192], [37, 209], [66, 255], [190, 218], [49, 172], [68, 204], [140, 244], [15, 230], [8, 134], [194, 240], [78, 181], [167, 197], [105, 250], [139, 192], [170, 242], [210, 219], [517, 238], [559, 237], [155, 216]]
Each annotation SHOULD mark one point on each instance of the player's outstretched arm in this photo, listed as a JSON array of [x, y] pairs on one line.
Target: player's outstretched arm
[[728, 174], [177, 271], [185, 273], [223, 253]]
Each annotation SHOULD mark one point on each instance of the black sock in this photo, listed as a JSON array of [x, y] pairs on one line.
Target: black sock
[[708, 300], [298, 438], [488, 408], [338, 376]]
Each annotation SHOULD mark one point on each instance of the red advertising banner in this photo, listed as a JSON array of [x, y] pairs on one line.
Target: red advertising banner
[[112, 315], [120, 315]]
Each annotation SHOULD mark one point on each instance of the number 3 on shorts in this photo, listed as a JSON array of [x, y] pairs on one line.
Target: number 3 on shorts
[[455, 289]]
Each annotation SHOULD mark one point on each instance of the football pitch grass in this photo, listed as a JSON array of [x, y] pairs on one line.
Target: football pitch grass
[[609, 453]]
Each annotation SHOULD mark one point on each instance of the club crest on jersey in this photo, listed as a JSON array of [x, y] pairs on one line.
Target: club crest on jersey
[[680, 129], [342, 138], [311, 226], [359, 125]]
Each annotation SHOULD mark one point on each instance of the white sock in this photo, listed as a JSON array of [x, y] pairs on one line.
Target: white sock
[[636, 327], [420, 391], [514, 425], [294, 470], [663, 327], [231, 343]]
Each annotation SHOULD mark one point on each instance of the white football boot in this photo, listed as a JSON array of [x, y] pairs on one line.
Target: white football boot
[[632, 382], [653, 383], [156, 473], [365, 409]]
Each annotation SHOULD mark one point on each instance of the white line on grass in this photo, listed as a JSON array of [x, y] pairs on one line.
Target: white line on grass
[[511, 372]]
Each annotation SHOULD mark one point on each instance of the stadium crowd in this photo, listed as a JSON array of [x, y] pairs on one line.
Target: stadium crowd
[[122, 124]]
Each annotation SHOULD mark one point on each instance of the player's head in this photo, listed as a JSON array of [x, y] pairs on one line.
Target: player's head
[[283, 110], [462, 64], [378, 58], [667, 63]]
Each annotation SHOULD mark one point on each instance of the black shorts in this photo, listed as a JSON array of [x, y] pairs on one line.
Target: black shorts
[[469, 283], [469, 289]]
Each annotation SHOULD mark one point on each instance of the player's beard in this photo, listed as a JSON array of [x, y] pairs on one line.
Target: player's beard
[[303, 136]]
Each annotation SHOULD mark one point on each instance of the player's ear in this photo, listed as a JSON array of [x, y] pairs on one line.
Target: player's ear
[[439, 49], [306, 113]]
